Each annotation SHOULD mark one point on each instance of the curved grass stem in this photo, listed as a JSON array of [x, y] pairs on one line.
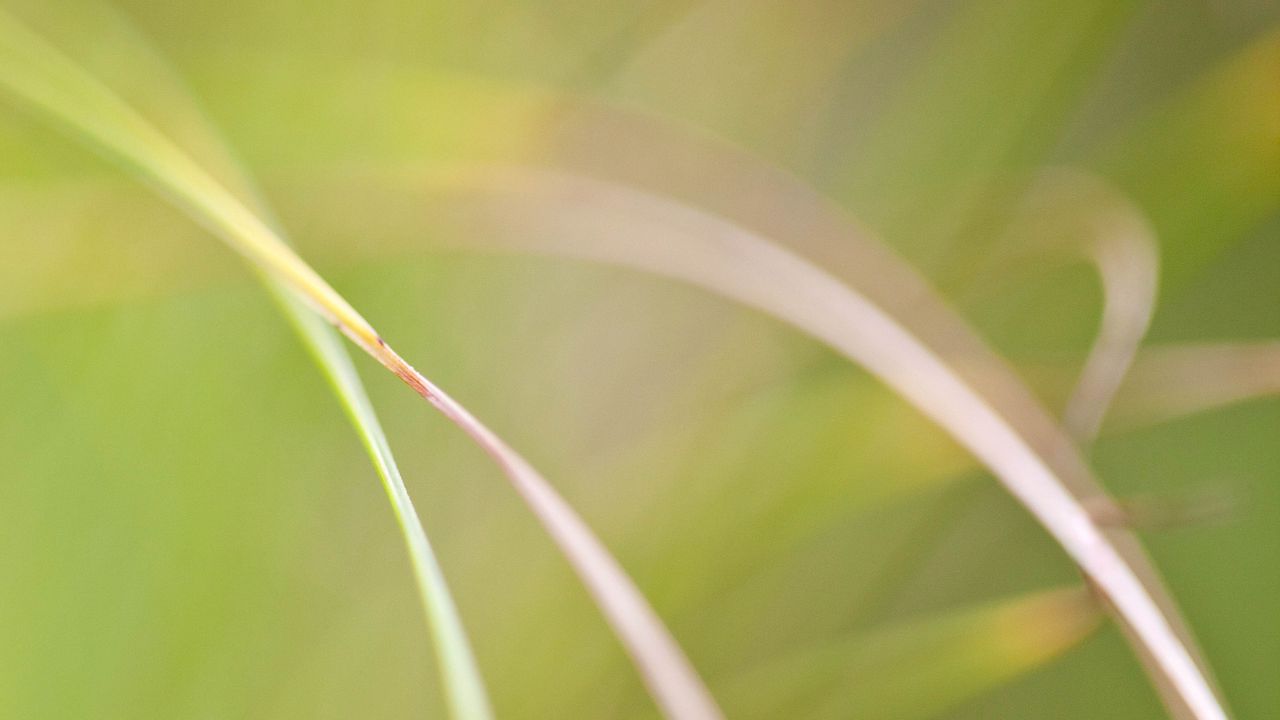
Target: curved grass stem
[[41, 78]]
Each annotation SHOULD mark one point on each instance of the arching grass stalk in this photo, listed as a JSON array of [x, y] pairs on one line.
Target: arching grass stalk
[[463, 684], [1078, 215], [41, 78], [607, 222]]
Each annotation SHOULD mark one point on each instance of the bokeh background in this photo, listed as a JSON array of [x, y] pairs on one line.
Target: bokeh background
[[189, 528]]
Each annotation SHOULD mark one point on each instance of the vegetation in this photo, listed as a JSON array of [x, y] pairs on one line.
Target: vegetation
[[905, 206]]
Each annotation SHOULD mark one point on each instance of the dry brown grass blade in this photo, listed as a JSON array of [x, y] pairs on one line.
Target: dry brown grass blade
[[983, 406], [1077, 216], [1173, 381]]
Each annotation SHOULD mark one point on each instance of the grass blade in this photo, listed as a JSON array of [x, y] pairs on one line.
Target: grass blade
[[1078, 215], [41, 78], [463, 684], [615, 224], [1173, 381]]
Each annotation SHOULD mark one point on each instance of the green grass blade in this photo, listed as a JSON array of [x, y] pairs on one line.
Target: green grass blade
[[45, 80], [41, 78], [464, 685], [460, 675]]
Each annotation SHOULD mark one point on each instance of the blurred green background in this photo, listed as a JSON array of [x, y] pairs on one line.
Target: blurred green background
[[189, 528]]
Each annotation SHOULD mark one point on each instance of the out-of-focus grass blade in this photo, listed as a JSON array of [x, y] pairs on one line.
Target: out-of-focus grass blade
[[1229, 112], [775, 206], [460, 675], [41, 78], [1173, 381], [1085, 489], [919, 668], [1077, 215], [610, 223], [1128, 266]]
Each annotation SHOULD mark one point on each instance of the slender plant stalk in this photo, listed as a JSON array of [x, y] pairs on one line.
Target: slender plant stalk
[[1127, 266], [43, 79], [610, 223], [1104, 228], [463, 684], [1173, 381]]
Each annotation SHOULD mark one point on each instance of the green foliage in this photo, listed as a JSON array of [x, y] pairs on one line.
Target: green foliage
[[182, 530]]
